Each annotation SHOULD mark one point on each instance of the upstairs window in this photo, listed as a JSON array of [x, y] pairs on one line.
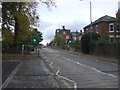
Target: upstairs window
[[96, 28], [64, 33], [67, 37], [111, 27]]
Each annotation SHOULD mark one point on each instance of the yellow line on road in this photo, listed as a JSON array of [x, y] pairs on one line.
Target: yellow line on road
[[66, 84]]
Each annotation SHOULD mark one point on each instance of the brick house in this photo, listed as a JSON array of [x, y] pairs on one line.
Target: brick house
[[103, 25], [76, 35], [65, 33]]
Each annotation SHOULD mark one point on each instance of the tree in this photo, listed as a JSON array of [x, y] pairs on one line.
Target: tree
[[87, 44], [20, 15], [76, 44], [103, 39], [59, 40], [7, 41]]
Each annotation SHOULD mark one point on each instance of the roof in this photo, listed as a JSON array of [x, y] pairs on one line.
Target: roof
[[60, 30], [105, 18], [75, 34]]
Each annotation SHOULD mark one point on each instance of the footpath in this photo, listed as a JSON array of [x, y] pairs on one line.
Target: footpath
[[31, 73]]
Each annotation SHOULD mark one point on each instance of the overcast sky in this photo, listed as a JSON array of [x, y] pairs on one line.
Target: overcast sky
[[74, 14]]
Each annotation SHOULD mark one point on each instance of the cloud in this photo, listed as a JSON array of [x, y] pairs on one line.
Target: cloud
[[74, 14], [48, 28]]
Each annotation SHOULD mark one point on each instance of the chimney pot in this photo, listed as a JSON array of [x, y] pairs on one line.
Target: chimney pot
[[63, 27]]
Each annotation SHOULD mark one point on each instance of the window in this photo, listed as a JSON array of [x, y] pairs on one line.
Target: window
[[96, 28], [86, 29], [67, 37], [64, 33], [111, 38], [80, 38], [111, 27], [74, 38]]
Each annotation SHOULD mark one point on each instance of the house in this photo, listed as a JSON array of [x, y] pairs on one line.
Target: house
[[77, 35], [103, 25], [65, 33]]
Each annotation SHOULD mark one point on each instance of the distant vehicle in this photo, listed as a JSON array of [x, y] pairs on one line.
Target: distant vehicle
[[44, 46], [39, 47]]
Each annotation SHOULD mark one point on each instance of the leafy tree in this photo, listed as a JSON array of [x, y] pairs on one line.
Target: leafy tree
[[59, 40], [35, 34], [118, 20], [7, 36], [20, 15], [103, 39], [76, 44], [87, 44]]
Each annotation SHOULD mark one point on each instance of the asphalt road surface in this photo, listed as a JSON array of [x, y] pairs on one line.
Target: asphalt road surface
[[79, 71]]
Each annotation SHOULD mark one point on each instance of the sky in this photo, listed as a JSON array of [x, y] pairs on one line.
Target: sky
[[73, 14]]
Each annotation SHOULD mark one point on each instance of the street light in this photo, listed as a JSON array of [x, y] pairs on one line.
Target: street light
[[90, 25]]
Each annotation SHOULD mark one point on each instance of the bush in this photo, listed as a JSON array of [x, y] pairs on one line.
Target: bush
[[88, 46]]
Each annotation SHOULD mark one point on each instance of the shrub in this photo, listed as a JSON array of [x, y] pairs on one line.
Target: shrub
[[87, 45]]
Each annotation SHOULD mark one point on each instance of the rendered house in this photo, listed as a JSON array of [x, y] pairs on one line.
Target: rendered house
[[103, 25], [77, 35]]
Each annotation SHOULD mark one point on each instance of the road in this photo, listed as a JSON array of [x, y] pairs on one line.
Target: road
[[80, 71]]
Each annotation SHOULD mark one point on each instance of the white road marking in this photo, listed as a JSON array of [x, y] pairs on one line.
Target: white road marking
[[98, 70], [75, 84], [10, 76], [79, 63], [57, 54], [84, 65], [51, 63], [57, 71], [112, 75], [103, 72]]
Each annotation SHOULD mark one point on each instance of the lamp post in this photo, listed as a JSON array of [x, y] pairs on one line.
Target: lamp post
[[90, 48]]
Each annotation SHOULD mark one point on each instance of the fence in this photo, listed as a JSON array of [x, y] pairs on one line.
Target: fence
[[111, 50]]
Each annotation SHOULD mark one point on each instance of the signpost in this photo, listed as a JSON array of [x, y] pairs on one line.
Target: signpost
[[22, 49]]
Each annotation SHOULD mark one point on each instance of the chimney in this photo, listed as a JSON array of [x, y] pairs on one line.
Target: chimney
[[76, 32], [80, 31], [63, 27]]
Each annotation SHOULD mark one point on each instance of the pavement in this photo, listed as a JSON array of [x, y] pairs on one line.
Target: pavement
[[31, 73]]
